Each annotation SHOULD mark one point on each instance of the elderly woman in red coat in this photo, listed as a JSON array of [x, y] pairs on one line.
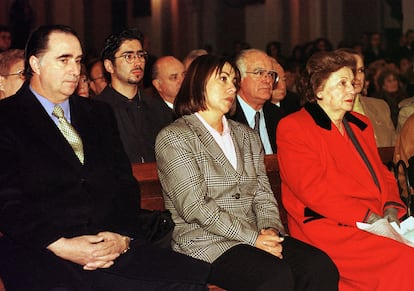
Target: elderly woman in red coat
[[332, 177]]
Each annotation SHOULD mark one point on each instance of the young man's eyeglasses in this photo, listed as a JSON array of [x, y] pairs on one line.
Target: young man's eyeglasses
[[263, 73], [130, 57]]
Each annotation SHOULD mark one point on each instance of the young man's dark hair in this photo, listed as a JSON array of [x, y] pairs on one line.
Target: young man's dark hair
[[114, 41]]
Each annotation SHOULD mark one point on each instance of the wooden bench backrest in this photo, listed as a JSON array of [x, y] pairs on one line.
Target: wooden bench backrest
[[151, 195]]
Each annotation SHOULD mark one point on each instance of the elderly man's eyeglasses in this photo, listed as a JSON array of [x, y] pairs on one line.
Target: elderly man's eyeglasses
[[19, 73], [131, 57], [263, 73]]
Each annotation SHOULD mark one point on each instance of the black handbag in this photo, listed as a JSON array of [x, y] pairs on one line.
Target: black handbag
[[156, 227]]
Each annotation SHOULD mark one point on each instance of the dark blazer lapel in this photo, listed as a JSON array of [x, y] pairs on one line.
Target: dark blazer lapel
[[272, 115], [238, 115], [46, 128]]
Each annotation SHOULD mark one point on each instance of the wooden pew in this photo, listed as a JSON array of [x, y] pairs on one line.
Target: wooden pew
[[151, 195]]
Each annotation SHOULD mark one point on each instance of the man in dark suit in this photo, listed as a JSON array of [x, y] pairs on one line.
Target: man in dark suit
[[258, 78], [167, 75], [68, 209], [281, 103]]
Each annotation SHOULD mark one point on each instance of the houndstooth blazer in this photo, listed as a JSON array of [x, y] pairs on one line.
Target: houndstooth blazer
[[213, 205]]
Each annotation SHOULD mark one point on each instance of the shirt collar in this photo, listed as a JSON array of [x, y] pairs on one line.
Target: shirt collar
[[49, 106], [249, 112], [226, 129], [169, 104]]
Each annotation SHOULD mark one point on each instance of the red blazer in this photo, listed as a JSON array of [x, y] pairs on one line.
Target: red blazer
[[327, 188]]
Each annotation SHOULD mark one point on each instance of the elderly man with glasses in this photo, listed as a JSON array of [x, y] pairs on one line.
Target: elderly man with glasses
[[124, 59], [258, 78], [11, 72]]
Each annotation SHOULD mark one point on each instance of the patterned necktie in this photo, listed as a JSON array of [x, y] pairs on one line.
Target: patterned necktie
[[257, 122], [69, 132]]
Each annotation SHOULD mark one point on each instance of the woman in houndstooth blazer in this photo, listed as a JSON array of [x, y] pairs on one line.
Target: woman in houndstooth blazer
[[214, 183]]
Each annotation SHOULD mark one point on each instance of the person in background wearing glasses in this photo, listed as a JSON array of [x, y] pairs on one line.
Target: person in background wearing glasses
[[258, 78], [124, 59], [83, 83], [96, 74], [11, 72]]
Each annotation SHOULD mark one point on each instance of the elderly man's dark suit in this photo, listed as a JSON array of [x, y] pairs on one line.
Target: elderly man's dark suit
[[272, 113], [161, 113], [46, 194]]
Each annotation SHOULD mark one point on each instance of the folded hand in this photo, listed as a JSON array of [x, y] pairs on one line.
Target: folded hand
[[270, 242], [391, 214], [91, 251]]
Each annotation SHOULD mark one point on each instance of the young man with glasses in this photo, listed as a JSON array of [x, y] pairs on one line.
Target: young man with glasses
[[124, 59], [11, 72], [258, 78]]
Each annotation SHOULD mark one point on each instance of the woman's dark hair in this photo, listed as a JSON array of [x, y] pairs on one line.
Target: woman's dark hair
[[191, 97], [318, 69], [114, 41], [38, 43]]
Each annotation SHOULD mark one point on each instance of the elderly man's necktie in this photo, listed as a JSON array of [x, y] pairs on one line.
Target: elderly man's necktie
[[257, 122], [69, 132]]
